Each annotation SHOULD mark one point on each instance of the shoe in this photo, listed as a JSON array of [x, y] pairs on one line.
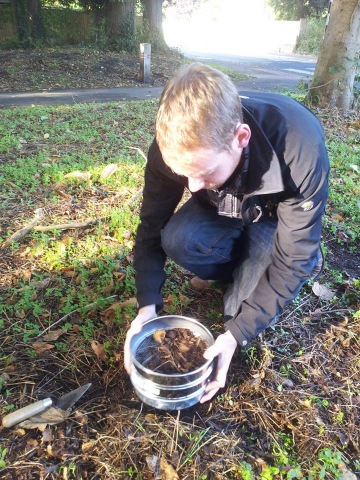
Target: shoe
[[201, 285]]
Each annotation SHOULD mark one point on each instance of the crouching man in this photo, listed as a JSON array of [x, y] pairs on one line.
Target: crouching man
[[257, 170]]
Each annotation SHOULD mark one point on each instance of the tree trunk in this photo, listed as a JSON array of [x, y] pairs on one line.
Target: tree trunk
[[153, 18], [120, 22], [36, 23], [22, 22], [336, 66], [300, 10]]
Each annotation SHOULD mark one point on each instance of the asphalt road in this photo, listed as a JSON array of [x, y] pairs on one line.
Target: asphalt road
[[272, 73]]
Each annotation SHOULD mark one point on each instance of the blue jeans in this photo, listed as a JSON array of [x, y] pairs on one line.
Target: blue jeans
[[220, 248]]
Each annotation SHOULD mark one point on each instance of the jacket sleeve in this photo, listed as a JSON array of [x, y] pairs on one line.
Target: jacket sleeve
[[296, 243], [161, 195]]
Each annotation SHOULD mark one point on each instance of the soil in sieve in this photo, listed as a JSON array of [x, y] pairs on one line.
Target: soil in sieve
[[174, 351]]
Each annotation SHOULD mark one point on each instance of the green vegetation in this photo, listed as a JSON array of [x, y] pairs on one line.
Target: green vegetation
[[310, 40]]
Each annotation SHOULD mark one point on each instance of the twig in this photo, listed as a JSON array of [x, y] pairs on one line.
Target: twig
[[69, 314], [133, 198], [66, 226], [23, 231], [141, 153]]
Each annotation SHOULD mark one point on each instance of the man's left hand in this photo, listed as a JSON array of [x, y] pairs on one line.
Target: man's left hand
[[223, 348]]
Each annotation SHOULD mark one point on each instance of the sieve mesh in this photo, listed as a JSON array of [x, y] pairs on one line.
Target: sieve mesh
[[146, 350]]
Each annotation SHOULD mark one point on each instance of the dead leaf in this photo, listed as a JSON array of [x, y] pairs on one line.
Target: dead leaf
[[20, 431], [46, 135], [154, 466], [322, 291], [20, 313], [84, 176], [41, 347], [109, 287], [4, 379], [53, 335], [64, 195], [337, 217], [41, 284], [167, 471], [99, 350], [32, 442], [159, 336], [52, 416], [70, 273], [170, 299], [108, 171], [120, 276], [47, 435], [127, 234]]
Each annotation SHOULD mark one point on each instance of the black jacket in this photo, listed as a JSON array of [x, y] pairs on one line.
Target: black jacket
[[286, 180]]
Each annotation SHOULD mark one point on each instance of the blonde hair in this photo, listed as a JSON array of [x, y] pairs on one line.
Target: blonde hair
[[199, 109]]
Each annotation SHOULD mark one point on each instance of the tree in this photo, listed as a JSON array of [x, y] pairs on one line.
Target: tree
[[28, 19], [333, 82], [119, 19], [296, 9], [153, 16]]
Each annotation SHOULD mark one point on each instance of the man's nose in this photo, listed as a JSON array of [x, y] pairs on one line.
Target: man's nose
[[195, 184]]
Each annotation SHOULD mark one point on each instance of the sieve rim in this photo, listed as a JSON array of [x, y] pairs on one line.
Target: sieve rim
[[173, 375]]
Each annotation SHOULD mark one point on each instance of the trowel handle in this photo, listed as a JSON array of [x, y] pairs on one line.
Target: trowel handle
[[26, 412]]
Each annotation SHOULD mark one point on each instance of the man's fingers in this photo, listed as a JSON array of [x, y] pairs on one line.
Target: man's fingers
[[209, 394], [211, 352]]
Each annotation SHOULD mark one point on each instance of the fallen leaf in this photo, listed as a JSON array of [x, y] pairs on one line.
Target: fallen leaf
[[167, 471], [41, 284], [337, 217], [70, 274], [20, 431], [20, 313], [127, 234], [322, 291], [46, 135], [41, 347], [109, 287], [32, 442], [79, 175], [53, 335], [99, 350], [51, 416], [120, 276], [170, 299], [47, 435], [154, 466], [4, 379], [108, 171]]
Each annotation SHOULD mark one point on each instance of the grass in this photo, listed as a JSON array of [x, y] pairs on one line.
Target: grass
[[291, 408]]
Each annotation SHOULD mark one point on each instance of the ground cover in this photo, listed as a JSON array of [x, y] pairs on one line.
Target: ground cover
[[291, 406], [63, 68]]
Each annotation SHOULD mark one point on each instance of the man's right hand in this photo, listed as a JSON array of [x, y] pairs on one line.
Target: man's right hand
[[144, 314]]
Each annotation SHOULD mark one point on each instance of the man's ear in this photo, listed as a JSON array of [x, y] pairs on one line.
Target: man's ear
[[242, 136]]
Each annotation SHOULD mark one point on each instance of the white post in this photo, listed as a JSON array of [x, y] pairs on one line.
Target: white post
[[145, 62]]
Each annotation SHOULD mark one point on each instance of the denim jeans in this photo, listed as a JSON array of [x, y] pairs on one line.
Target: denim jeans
[[215, 247]]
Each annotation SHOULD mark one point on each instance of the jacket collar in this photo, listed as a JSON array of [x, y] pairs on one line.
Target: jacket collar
[[264, 171]]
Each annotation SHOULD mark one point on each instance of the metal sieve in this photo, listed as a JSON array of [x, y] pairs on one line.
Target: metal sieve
[[161, 390]]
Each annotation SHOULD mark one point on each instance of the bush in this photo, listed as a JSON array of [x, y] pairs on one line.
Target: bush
[[310, 40]]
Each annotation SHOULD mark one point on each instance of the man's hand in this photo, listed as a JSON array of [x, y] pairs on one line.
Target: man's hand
[[144, 314], [223, 348]]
